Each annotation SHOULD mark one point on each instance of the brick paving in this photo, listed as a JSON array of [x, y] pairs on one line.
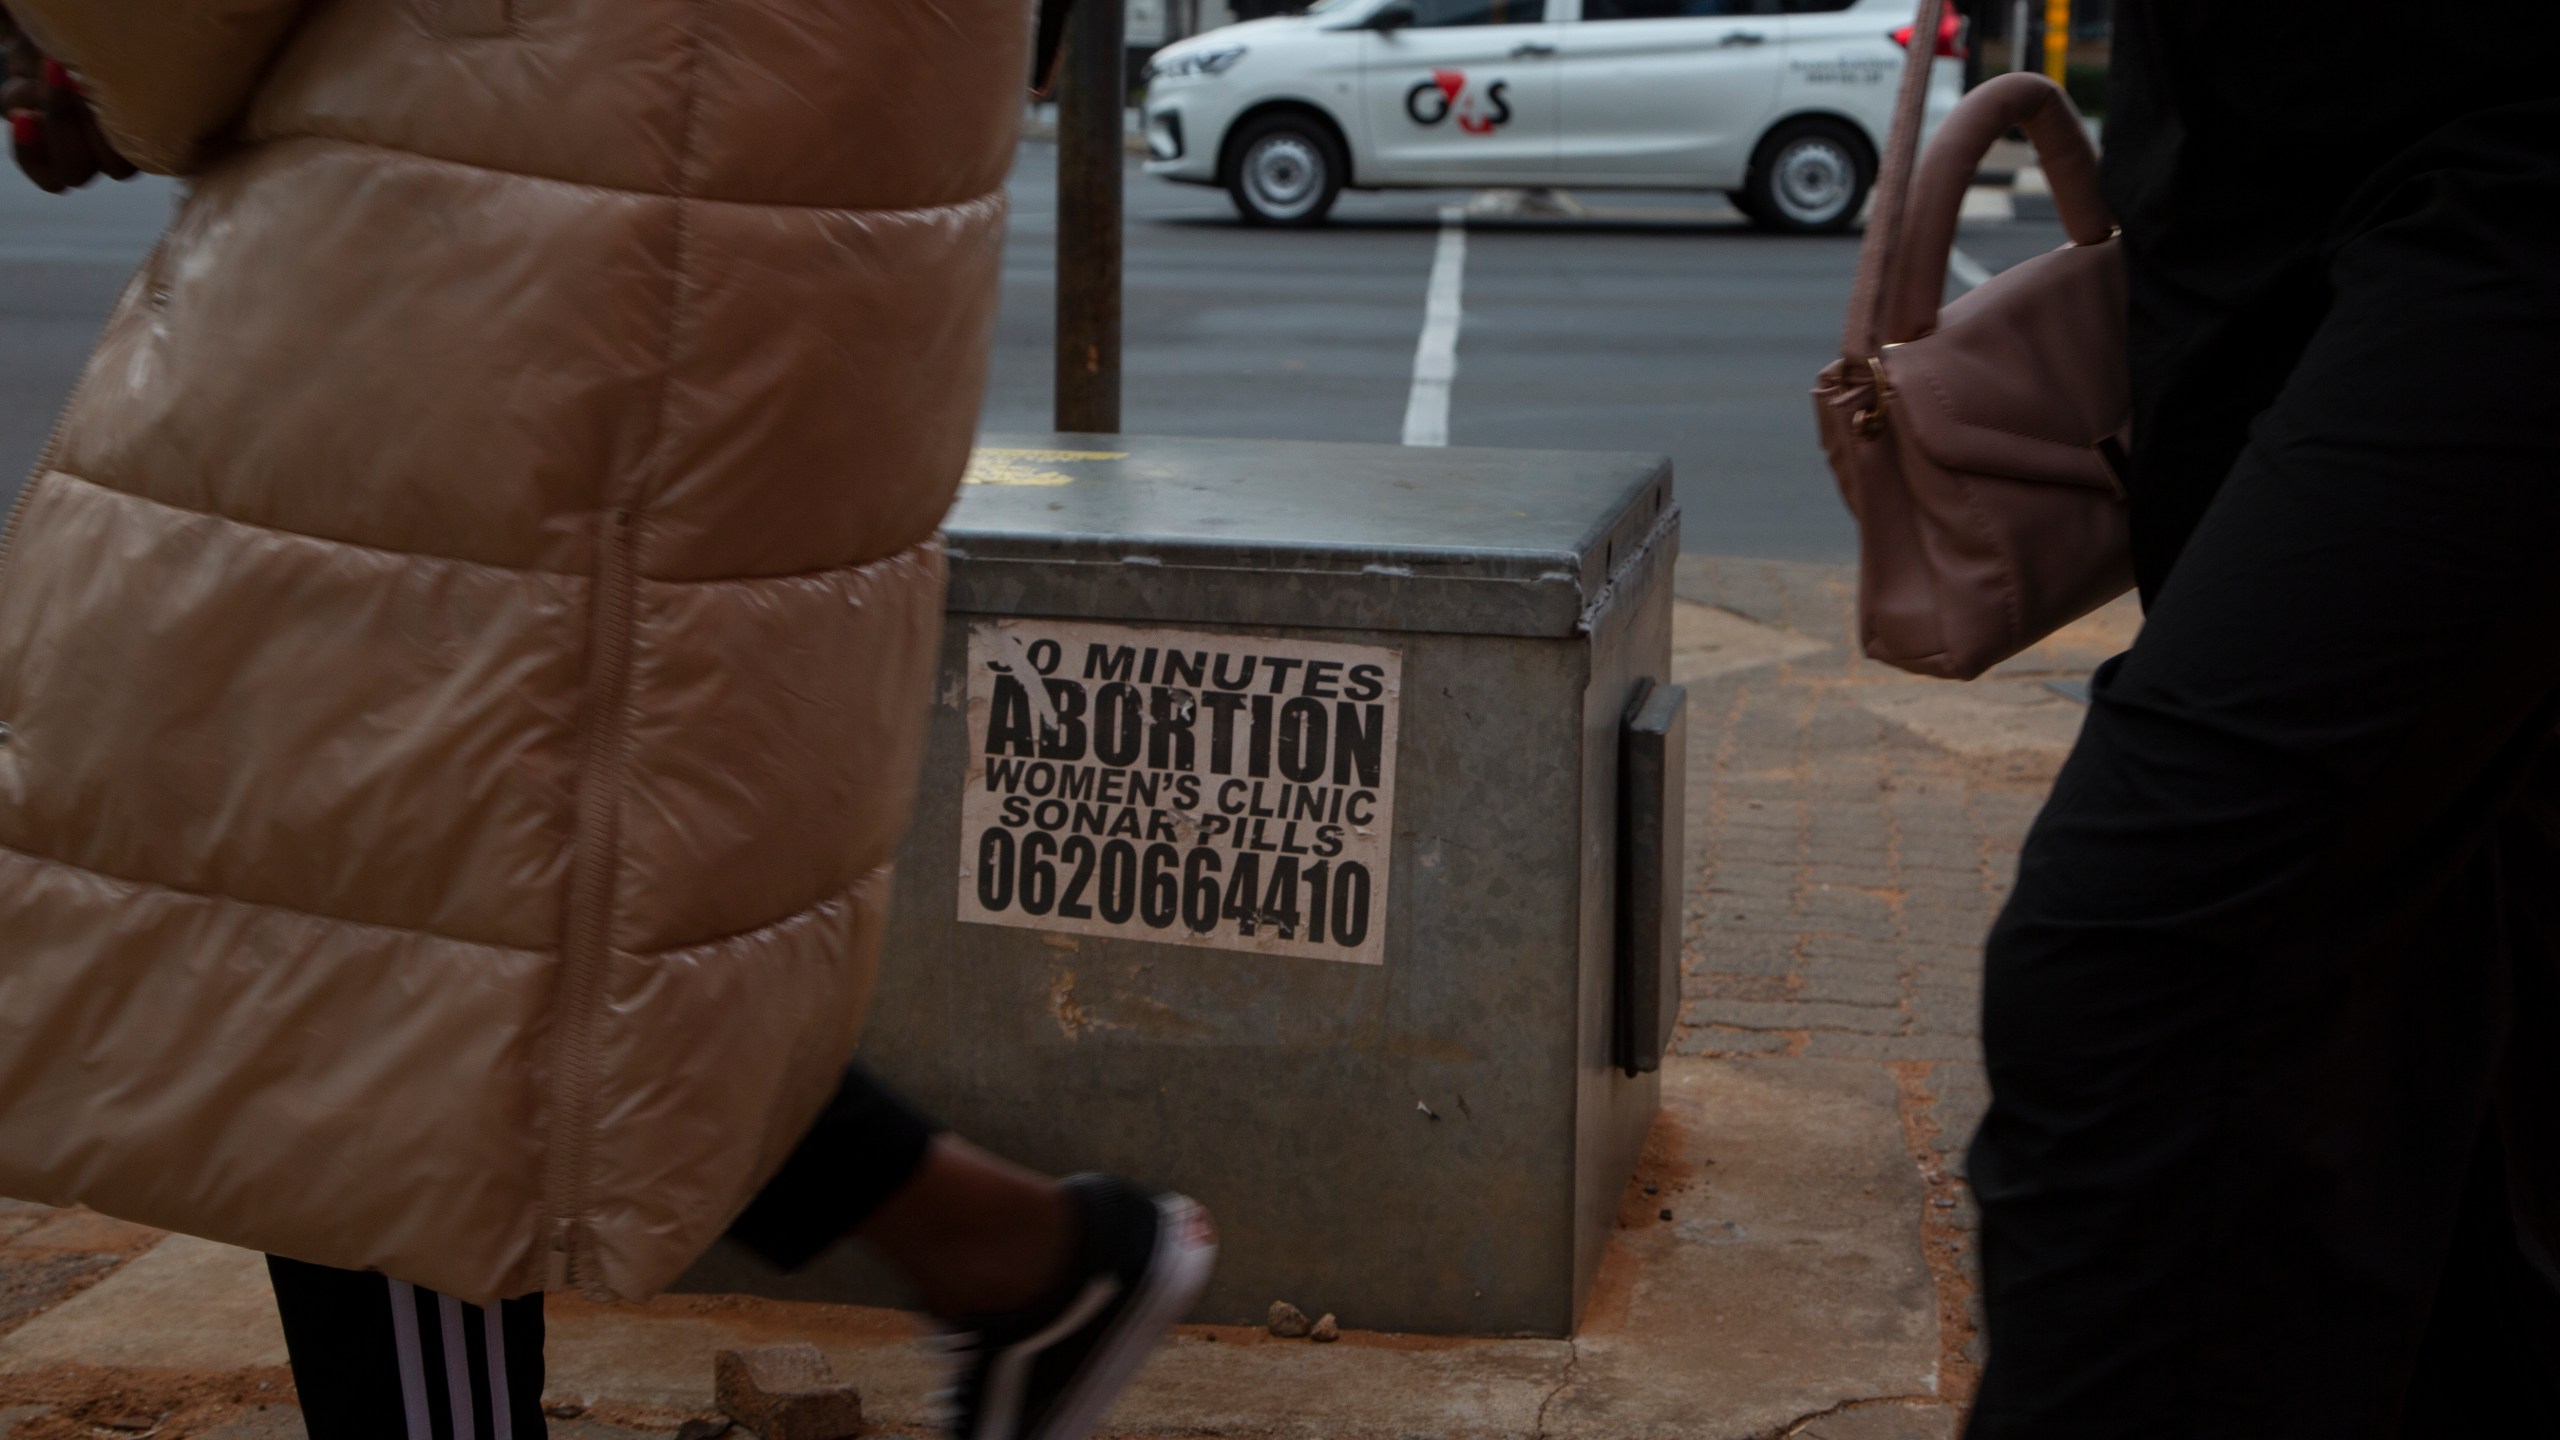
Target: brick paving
[[1849, 863]]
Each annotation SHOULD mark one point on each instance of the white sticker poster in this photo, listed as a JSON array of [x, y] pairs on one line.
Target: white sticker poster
[[1221, 790]]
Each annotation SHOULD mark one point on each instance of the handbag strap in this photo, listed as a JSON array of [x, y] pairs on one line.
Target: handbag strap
[[1887, 214], [2024, 101]]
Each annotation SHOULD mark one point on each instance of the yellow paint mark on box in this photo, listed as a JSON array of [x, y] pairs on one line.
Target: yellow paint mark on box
[[996, 466]]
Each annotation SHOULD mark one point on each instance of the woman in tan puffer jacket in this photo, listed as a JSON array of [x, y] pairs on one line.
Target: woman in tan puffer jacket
[[465, 651]]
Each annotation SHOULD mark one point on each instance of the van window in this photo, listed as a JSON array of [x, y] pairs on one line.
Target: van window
[[1674, 9], [1441, 13], [1819, 7]]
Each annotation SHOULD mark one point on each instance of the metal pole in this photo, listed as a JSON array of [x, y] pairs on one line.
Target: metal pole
[[2019, 27], [1091, 95], [2057, 39]]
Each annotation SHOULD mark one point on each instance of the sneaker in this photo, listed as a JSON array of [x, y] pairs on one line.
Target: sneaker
[[1049, 1372]]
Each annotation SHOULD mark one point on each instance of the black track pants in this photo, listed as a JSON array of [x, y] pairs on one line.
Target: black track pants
[[381, 1358], [377, 1359], [2273, 1015]]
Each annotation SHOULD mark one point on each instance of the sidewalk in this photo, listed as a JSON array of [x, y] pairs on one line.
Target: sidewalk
[[1792, 1260]]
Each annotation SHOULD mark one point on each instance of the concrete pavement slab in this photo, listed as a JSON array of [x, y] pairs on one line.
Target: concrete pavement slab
[[1362, 1387], [1209, 1381], [587, 1429], [659, 1355], [1854, 832], [33, 1282], [261, 1422], [185, 1304], [1884, 1422], [86, 1232], [17, 1217], [1787, 1281], [1707, 642], [1993, 720]]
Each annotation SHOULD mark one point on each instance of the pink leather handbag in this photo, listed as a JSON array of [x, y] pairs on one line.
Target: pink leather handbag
[[1981, 447]]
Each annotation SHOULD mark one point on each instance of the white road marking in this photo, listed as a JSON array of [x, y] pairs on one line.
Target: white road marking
[[1991, 203], [1967, 270], [1435, 356]]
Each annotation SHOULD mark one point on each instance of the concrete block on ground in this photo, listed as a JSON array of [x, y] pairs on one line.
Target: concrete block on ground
[[786, 1392], [185, 1304]]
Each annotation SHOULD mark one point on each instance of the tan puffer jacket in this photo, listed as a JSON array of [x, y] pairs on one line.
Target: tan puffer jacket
[[465, 653]]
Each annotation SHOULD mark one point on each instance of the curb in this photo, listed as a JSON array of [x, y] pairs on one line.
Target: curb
[[1042, 130]]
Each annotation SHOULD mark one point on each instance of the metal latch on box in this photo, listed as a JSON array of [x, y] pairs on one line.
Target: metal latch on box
[[1653, 750]]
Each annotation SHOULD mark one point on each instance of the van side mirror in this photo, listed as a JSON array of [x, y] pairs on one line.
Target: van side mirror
[[1393, 18]]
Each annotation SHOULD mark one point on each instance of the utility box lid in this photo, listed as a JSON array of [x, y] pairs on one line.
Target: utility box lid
[[1363, 537]]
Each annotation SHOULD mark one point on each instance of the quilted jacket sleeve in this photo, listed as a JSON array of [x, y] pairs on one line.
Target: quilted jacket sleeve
[[167, 76]]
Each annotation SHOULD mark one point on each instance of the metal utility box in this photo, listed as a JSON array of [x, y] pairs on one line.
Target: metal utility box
[[1308, 879]]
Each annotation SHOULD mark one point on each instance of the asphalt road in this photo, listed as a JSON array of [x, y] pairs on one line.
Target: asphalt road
[[1654, 323], [63, 260]]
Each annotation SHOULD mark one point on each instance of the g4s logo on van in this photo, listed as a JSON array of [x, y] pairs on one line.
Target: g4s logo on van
[[1480, 109]]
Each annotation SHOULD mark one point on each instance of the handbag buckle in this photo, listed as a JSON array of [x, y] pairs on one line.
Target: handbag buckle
[[1869, 422]]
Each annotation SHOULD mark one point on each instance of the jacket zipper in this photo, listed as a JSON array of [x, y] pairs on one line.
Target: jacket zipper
[[586, 937]]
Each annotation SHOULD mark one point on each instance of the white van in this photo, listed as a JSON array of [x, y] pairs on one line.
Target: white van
[[1781, 103]]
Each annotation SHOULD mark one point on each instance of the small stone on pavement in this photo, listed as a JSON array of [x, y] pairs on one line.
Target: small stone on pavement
[[1327, 1331], [1288, 1321]]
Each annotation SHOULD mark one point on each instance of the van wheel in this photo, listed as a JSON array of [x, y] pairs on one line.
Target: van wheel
[[1287, 170], [1810, 177]]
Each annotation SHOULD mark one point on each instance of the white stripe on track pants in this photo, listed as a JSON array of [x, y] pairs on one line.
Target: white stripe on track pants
[[380, 1359]]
